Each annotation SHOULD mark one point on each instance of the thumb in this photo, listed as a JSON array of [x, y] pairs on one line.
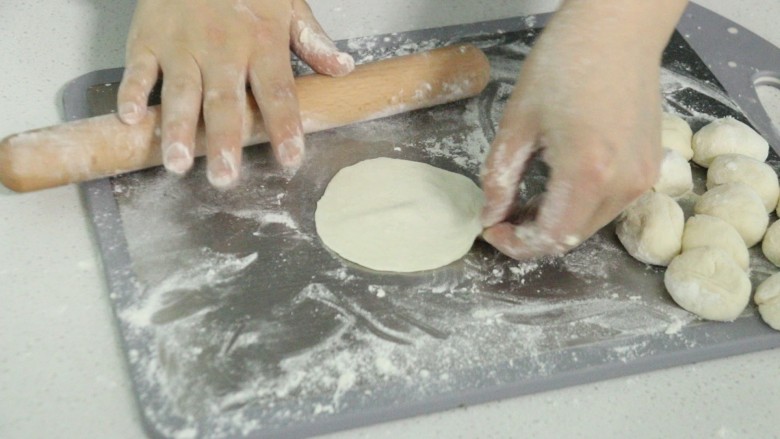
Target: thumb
[[313, 45], [511, 151]]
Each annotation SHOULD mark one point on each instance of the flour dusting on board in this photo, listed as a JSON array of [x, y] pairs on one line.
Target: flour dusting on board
[[244, 322]]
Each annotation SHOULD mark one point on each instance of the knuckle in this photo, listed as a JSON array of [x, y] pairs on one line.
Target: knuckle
[[264, 32], [181, 84], [640, 182], [216, 132], [279, 91], [140, 64], [282, 89], [216, 34], [267, 30], [599, 166], [221, 97], [133, 84], [177, 126], [604, 170], [275, 92], [223, 139], [140, 67], [286, 128]]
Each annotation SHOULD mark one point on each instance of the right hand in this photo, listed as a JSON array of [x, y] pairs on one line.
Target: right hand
[[588, 99], [206, 51]]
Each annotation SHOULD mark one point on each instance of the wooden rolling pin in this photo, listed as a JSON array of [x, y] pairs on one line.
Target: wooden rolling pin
[[103, 146]]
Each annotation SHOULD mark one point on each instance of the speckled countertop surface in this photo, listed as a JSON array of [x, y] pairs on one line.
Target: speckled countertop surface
[[62, 373]]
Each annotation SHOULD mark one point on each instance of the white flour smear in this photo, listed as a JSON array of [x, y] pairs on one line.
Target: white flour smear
[[245, 322]]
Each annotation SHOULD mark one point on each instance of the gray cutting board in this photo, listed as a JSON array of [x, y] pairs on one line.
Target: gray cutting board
[[238, 322]]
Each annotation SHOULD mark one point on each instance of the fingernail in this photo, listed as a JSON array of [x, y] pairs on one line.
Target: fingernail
[[486, 233], [130, 113], [177, 158], [291, 152], [223, 172], [571, 241], [538, 241], [489, 218], [315, 41], [346, 60], [343, 66], [486, 218], [493, 214]]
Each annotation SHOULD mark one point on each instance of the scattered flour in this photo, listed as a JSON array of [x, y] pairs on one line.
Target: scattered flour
[[258, 327]]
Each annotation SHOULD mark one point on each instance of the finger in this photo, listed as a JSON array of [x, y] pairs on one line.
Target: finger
[[609, 209], [310, 42], [564, 219], [224, 103], [181, 100], [506, 162], [272, 83], [138, 79]]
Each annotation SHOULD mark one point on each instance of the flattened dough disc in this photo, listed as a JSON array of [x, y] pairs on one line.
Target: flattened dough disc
[[399, 215]]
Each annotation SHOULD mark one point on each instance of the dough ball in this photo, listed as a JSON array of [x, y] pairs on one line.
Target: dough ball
[[398, 215], [771, 244], [736, 168], [651, 228], [738, 205], [710, 231], [707, 282], [727, 136], [768, 300], [675, 178], [676, 135]]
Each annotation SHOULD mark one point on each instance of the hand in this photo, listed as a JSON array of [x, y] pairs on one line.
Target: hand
[[588, 98], [206, 51]]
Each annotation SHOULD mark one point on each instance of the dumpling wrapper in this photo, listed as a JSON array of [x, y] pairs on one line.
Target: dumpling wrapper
[[399, 215]]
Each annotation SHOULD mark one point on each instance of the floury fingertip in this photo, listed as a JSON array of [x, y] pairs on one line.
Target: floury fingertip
[[491, 216], [177, 158], [223, 172], [130, 113], [347, 62], [316, 42], [290, 152]]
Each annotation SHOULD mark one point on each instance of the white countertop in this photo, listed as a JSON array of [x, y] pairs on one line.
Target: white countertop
[[62, 373]]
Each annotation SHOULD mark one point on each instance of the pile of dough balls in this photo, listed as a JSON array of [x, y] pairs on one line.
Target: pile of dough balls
[[707, 255]]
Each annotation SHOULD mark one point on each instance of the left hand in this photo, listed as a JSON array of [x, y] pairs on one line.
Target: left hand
[[207, 51]]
